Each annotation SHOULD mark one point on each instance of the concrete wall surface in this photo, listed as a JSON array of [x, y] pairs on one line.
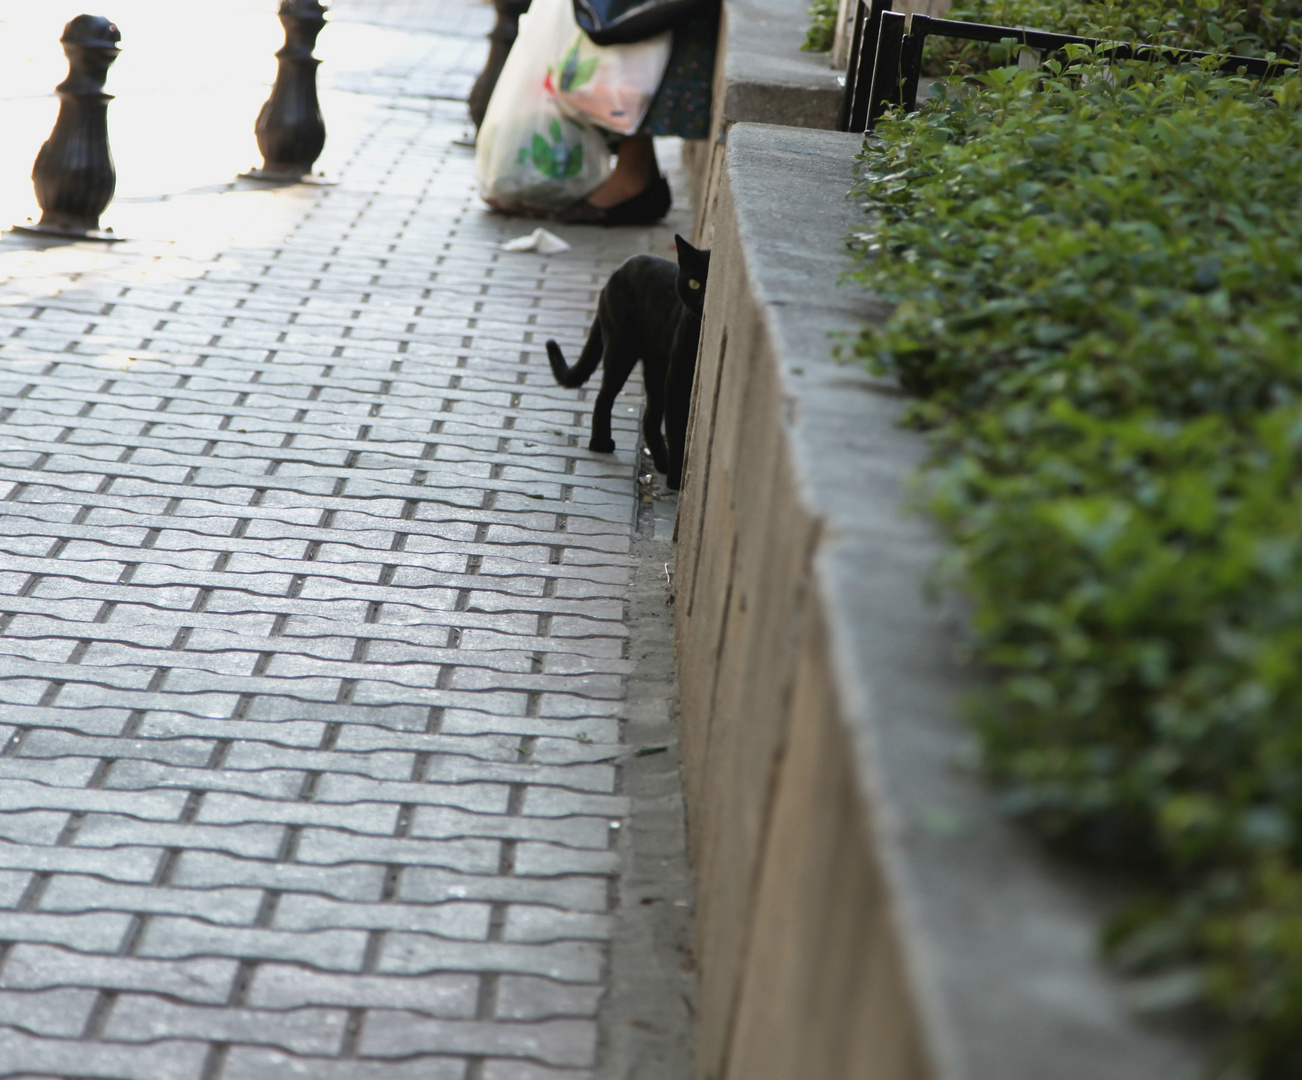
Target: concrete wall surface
[[864, 909], [761, 75]]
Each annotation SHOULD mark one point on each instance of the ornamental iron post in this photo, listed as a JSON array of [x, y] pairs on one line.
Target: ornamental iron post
[[500, 40], [290, 130], [73, 174]]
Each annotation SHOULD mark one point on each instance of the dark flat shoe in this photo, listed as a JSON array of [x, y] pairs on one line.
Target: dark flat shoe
[[645, 208]]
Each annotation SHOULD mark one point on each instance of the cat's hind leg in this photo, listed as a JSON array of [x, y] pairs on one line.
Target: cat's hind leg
[[651, 418], [616, 366], [676, 424], [678, 399], [601, 440]]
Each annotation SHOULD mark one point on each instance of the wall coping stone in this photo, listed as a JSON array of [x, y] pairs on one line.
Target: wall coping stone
[[999, 936], [767, 77], [761, 75]]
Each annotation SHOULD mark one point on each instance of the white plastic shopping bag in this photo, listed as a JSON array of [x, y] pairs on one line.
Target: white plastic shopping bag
[[529, 153], [611, 85]]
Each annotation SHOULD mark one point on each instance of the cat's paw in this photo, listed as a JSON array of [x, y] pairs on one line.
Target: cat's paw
[[602, 446]]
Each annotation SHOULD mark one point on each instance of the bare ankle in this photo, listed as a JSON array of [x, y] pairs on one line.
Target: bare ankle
[[616, 190]]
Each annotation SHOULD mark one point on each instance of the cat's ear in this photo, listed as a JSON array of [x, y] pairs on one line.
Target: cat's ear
[[690, 257]]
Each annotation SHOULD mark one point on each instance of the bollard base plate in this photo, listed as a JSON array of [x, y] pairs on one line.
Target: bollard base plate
[[35, 228], [275, 176]]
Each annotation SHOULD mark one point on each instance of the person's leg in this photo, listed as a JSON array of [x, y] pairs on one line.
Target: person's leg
[[635, 168]]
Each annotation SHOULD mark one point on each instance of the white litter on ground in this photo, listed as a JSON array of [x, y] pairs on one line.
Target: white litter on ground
[[540, 240]]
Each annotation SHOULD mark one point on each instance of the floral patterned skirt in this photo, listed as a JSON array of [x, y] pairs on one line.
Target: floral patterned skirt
[[682, 104]]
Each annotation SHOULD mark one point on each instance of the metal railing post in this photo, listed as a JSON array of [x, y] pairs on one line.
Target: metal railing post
[[859, 75], [911, 61], [885, 90]]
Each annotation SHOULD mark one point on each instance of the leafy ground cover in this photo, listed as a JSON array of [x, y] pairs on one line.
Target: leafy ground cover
[[822, 26], [1254, 28], [1099, 282]]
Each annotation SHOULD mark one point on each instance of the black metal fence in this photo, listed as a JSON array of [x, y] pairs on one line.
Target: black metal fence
[[886, 56]]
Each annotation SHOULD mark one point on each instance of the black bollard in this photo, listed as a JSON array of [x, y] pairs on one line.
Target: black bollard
[[500, 40], [291, 133], [73, 174]]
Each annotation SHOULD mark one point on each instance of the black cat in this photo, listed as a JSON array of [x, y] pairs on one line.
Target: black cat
[[649, 310]]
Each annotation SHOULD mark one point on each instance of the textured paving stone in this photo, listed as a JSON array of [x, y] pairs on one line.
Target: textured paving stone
[[521, 997], [23, 1053], [312, 598], [62, 1013], [255, 1063], [277, 986], [556, 1042], [301, 1031], [35, 967], [514, 1069]]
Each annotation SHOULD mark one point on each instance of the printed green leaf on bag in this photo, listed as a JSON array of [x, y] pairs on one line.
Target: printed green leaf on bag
[[574, 164], [543, 158], [574, 73], [556, 160]]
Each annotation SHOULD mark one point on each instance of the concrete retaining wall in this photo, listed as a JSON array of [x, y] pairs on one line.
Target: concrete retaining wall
[[760, 76], [863, 909]]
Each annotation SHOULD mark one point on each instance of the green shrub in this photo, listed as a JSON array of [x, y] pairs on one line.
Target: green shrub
[[822, 26], [1099, 285], [1246, 29]]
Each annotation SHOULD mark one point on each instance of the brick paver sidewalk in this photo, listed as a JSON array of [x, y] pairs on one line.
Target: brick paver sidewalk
[[313, 623]]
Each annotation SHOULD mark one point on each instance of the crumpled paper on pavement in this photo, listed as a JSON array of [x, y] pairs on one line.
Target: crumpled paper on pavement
[[540, 240]]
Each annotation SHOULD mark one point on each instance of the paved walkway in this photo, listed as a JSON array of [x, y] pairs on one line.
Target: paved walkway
[[314, 649]]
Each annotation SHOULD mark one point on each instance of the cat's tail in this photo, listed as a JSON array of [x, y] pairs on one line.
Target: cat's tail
[[588, 360]]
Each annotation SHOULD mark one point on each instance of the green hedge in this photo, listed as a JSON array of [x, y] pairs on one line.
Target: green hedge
[[1099, 277], [1234, 26]]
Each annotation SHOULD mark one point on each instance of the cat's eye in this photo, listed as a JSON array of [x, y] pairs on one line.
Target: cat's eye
[[693, 283]]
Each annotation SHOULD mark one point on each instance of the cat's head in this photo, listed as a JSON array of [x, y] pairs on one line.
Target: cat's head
[[693, 270]]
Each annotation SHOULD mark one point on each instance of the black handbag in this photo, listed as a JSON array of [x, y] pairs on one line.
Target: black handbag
[[619, 22]]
